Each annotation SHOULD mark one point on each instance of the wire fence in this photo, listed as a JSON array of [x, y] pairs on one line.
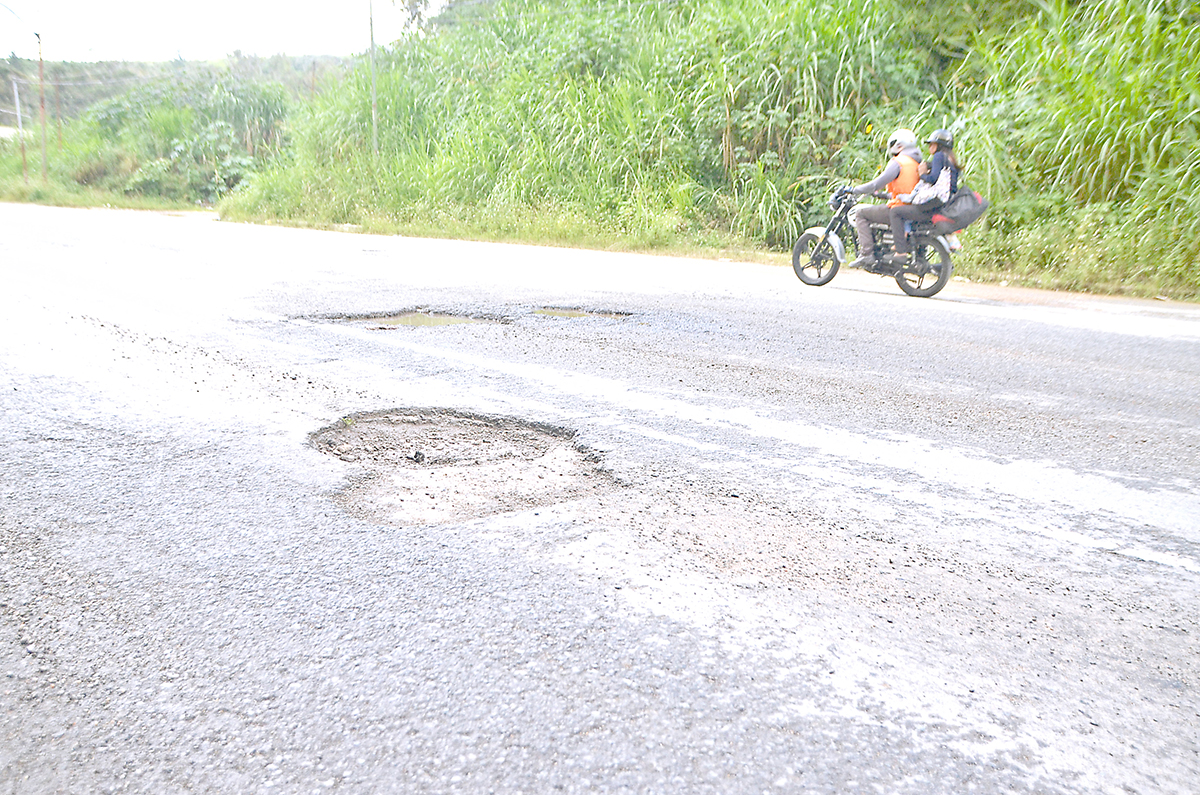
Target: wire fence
[[69, 97], [55, 84], [30, 101]]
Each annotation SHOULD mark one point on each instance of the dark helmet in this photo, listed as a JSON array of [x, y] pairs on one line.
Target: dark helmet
[[942, 138]]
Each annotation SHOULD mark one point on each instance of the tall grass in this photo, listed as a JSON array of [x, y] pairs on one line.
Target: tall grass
[[1105, 97], [646, 120], [1090, 121]]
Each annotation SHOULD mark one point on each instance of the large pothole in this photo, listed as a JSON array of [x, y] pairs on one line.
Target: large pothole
[[431, 466]]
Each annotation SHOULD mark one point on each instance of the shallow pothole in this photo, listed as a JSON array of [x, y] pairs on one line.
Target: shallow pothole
[[431, 466]]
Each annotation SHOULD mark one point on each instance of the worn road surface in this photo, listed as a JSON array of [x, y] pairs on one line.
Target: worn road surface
[[274, 517]]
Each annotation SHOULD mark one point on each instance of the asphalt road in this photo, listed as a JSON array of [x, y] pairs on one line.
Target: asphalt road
[[797, 539]]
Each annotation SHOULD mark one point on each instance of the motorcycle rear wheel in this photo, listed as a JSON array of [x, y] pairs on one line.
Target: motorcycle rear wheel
[[812, 266], [928, 270]]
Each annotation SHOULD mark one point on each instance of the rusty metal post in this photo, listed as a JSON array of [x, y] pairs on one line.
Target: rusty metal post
[[58, 110], [42, 94], [374, 103], [20, 131]]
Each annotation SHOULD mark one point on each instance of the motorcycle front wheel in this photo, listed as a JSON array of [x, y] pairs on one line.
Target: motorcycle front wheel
[[812, 266], [928, 269]]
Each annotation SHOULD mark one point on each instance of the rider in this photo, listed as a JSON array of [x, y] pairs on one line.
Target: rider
[[920, 205], [899, 176]]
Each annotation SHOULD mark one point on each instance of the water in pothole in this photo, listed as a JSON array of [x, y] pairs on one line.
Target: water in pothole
[[384, 322]]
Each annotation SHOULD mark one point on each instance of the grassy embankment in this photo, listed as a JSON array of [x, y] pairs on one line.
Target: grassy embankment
[[701, 125], [644, 125]]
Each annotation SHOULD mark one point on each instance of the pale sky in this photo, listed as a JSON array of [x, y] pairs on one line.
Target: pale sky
[[154, 30]]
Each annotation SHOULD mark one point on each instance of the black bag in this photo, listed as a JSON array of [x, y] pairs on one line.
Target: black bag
[[963, 209]]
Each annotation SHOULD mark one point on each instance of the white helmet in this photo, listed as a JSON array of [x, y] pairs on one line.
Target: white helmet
[[901, 139]]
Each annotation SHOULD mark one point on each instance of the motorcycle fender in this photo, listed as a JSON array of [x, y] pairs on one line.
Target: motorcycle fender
[[839, 248]]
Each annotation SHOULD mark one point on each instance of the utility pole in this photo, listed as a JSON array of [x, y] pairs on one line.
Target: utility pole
[[20, 131], [374, 103], [42, 93], [58, 109]]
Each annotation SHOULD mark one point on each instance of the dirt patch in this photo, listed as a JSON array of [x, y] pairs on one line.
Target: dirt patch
[[431, 466], [576, 312]]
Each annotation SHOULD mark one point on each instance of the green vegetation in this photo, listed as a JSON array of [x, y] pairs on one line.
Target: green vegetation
[[642, 122], [1090, 117], [179, 140], [151, 135], [706, 124]]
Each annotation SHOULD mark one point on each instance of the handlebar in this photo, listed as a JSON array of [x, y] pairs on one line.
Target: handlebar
[[841, 196]]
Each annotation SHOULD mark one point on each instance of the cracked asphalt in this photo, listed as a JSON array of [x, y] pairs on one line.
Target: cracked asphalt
[[647, 525]]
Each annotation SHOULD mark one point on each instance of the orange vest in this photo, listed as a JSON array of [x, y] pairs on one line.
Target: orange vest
[[907, 180]]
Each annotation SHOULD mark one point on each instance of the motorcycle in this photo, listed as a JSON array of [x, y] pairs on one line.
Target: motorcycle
[[820, 252]]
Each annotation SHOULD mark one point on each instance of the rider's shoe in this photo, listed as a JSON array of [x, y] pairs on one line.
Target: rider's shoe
[[900, 259], [865, 261]]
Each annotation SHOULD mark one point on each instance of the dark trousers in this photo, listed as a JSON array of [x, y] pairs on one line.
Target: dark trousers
[[869, 214], [901, 213]]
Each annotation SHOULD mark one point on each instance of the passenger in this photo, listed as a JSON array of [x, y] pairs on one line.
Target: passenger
[[939, 181]]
